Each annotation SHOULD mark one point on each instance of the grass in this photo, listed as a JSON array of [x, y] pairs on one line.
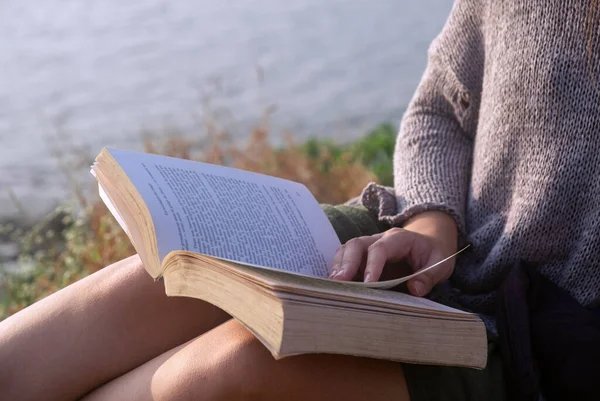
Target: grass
[[72, 243]]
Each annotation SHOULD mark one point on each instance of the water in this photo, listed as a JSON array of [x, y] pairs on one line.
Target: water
[[103, 70]]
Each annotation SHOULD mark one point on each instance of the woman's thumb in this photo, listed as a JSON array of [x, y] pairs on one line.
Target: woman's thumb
[[420, 285], [423, 283]]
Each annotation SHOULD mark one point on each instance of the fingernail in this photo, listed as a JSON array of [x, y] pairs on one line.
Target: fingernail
[[367, 277], [419, 288], [333, 273]]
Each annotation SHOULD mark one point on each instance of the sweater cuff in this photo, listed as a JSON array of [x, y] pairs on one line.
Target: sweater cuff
[[394, 209], [407, 212]]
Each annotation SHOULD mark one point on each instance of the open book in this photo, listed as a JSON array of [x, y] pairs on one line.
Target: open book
[[260, 248]]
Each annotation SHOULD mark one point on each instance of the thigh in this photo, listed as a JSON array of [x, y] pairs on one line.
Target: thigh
[[95, 330], [229, 363]]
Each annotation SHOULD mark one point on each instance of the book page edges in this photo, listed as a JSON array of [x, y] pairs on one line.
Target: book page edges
[[280, 281], [259, 312], [407, 339], [280, 326], [131, 208]]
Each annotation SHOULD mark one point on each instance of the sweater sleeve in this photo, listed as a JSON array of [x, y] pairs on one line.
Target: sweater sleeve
[[434, 149]]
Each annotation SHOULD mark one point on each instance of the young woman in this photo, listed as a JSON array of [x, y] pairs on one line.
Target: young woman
[[499, 148]]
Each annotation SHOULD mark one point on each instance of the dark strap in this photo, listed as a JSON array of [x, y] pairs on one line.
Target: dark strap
[[550, 343], [513, 329]]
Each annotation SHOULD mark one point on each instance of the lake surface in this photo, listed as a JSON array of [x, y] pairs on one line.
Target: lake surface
[[98, 72]]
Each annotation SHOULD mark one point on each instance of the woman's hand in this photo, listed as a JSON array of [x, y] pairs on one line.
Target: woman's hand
[[426, 239]]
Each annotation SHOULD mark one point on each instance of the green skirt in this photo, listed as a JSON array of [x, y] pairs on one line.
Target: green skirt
[[427, 382]]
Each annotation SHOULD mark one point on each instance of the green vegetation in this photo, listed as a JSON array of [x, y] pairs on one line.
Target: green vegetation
[[374, 151], [72, 243]]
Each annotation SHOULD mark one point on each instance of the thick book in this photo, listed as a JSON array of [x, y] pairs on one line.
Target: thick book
[[260, 248]]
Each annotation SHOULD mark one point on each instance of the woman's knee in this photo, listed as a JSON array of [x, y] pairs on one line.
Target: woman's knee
[[229, 363], [225, 364]]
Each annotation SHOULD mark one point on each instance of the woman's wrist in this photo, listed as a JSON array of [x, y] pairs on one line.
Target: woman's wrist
[[438, 225]]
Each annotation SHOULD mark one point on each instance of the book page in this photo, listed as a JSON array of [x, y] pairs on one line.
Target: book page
[[232, 214], [113, 210], [343, 290]]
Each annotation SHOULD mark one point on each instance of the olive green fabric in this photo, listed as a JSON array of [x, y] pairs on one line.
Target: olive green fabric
[[427, 382], [353, 221]]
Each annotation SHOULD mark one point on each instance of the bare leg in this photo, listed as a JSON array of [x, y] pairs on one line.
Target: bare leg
[[229, 363], [93, 331]]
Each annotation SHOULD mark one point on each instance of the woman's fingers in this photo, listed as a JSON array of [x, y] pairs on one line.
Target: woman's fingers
[[393, 245], [396, 244], [349, 257]]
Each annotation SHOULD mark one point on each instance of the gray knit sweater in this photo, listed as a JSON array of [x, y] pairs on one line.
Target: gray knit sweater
[[504, 134]]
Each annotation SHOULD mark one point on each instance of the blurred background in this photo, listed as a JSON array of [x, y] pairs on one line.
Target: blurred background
[[310, 90]]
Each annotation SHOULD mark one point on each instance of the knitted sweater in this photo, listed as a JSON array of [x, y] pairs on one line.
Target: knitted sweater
[[503, 133]]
